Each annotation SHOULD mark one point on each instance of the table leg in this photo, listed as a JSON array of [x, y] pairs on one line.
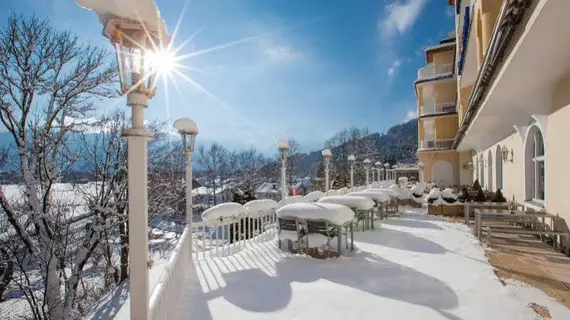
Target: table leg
[[351, 237]]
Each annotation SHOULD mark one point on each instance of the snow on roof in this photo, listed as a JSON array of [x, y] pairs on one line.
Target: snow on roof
[[144, 11], [333, 213], [223, 210], [352, 201], [377, 196], [268, 187], [260, 207], [314, 196]]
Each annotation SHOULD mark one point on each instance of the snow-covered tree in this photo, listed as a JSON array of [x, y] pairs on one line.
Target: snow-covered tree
[[48, 80]]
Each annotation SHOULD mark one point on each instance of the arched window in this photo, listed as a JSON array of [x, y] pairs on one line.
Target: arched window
[[482, 171], [476, 168], [534, 164], [490, 171], [499, 167]]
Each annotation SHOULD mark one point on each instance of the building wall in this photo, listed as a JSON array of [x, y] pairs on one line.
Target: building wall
[[445, 92], [513, 180], [465, 173], [557, 152], [443, 57], [429, 159], [446, 127]]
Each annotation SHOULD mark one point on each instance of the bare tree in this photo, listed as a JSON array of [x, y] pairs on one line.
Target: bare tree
[[105, 159], [292, 161], [213, 162], [47, 80]]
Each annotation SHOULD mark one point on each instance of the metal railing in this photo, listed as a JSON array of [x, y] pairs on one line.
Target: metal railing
[[431, 70], [430, 107], [436, 144]]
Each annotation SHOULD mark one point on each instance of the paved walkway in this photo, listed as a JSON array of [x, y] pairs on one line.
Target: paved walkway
[[527, 259], [414, 267]]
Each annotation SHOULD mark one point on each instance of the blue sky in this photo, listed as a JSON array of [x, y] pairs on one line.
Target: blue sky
[[316, 67]]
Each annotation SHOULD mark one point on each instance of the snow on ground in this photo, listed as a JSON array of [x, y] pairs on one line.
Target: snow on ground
[[413, 267]]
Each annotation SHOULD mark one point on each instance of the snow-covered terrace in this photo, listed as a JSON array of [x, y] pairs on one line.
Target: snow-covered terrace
[[414, 266]]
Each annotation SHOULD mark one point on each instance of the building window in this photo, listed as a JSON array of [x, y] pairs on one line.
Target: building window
[[538, 165], [499, 167], [535, 165], [482, 172]]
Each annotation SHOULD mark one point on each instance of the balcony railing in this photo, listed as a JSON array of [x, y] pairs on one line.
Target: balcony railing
[[432, 70], [436, 144], [431, 107]]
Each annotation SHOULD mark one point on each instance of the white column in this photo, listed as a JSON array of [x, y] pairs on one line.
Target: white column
[[367, 176], [378, 174], [421, 174], [352, 176], [283, 182], [326, 177], [137, 138], [189, 193]]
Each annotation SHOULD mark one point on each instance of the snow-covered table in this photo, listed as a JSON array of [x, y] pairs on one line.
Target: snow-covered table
[[382, 200], [314, 225], [362, 207]]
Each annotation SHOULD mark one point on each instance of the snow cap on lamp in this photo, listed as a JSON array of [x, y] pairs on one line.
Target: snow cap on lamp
[[186, 126]]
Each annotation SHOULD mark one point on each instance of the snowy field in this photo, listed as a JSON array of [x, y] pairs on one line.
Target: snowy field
[[413, 267]]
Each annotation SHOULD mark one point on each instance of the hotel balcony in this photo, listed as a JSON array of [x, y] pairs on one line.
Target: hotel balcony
[[434, 108], [441, 144], [434, 71]]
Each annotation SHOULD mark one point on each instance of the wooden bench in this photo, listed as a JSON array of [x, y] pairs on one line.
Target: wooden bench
[[518, 230]]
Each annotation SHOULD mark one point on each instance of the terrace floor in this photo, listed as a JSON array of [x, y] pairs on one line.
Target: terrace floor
[[412, 267]]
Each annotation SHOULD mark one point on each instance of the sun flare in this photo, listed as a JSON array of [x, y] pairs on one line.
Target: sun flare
[[163, 61]]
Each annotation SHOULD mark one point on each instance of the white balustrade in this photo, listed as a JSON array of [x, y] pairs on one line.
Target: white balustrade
[[224, 237], [431, 70], [436, 144]]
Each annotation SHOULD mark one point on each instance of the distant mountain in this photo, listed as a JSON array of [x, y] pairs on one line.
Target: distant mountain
[[398, 145]]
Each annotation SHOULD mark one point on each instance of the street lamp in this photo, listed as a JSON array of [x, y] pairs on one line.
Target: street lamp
[[378, 165], [188, 129], [421, 165], [327, 155], [386, 166], [351, 160], [283, 147], [367, 166], [134, 40]]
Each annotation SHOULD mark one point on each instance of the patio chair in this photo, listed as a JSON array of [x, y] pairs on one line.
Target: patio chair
[[289, 225]]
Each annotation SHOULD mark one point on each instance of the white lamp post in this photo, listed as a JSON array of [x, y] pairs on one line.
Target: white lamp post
[[133, 39], [386, 173], [421, 166], [393, 173], [188, 129], [367, 166], [378, 165], [283, 147], [327, 155], [351, 160]]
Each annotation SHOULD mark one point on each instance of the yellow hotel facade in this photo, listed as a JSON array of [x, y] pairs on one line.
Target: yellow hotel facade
[[494, 102]]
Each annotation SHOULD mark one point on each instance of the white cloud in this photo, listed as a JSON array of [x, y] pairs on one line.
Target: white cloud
[[450, 12], [281, 53], [410, 115], [399, 17], [395, 65]]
